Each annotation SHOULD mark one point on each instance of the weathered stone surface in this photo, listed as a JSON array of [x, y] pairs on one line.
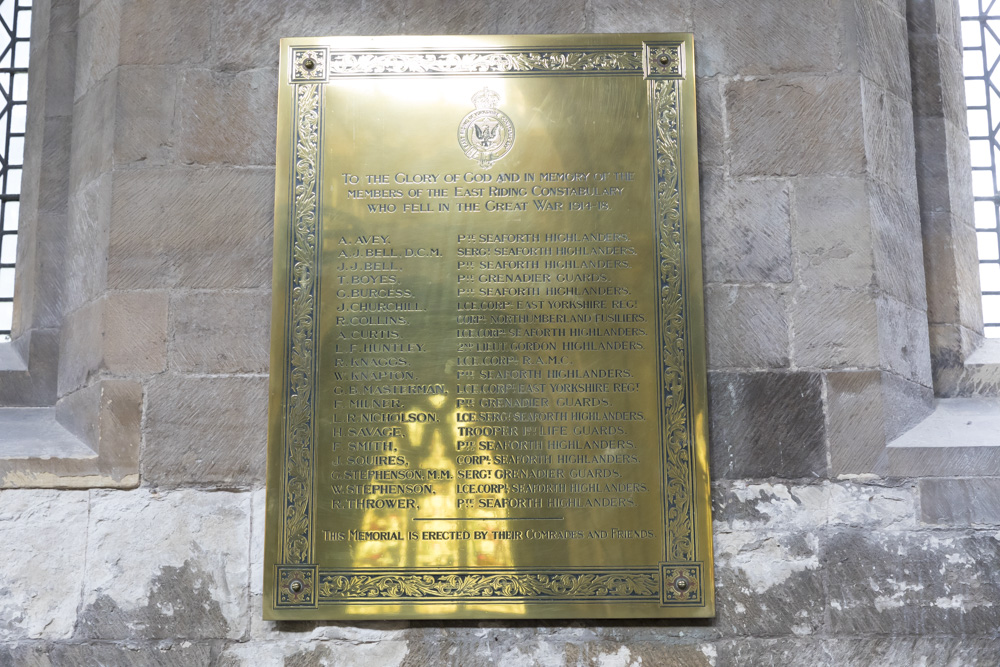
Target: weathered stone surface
[[831, 226], [247, 33], [889, 651], [166, 565], [711, 123], [154, 32], [641, 16], [227, 117], [882, 47], [162, 654], [201, 228], [390, 653], [40, 585], [755, 38], [912, 583], [747, 326], [906, 404], [206, 430], [220, 332], [36, 386], [98, 41], [888, 134], [746, 230], [441, 16], [856, 422], [123, 333], [834, 329], [904, 346], [93, 133], [767, 424], [768, 508], [769, 583], [960, 502], [795, 125], [144, 127], [897, 246], [86, 259]]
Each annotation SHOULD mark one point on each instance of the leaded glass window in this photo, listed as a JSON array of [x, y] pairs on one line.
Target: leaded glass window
[[981, 44], [15, 20]]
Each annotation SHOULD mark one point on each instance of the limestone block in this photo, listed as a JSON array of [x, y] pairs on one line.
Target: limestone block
[[899, 650], [888, 131], [882, 46], [154, 32], [98, 42], [246, 33], [444, 17], [766, 508], [204, 228], [227, 117], [206, 430], [925, 68], [904, 345], [53, 178], [907, 403], [220, 332], [166, 565], [751, 38], [389, 653], [960, 502], [122, 333], [86, 243], [785, 126], [766, 424], [93, 133], [831, 228], [834, 328], [958, 160], [161, 654], [39, 584], [856, 422], [711, 123], [769, 584], [912, 582], [641, 16], [745, 226], [952, 84], [747, 327], [107, 417], [144, 116]]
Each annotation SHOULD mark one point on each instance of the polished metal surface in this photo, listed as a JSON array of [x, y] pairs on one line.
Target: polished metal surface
[[488, 368]]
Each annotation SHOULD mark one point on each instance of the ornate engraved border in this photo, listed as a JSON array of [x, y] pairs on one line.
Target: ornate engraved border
[[542, 61], [300, 386], [302, 328], [677, 440], [499, 585]]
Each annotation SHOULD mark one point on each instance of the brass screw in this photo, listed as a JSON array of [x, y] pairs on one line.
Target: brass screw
[[681, 584], [664, 59], [309, 64], [295, 586]]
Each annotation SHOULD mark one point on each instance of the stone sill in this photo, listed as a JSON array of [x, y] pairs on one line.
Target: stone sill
[[10, 358], [961, 437], [88, 439]]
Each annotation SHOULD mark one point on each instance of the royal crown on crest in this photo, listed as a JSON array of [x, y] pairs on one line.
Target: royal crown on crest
[[486, 99]]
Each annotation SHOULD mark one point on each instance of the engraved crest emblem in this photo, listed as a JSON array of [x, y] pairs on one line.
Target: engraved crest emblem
[[486, 134]]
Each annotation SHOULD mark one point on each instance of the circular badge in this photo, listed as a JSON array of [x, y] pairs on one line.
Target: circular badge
[[486, 134]]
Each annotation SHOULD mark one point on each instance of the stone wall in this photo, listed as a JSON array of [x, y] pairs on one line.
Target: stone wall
[[152, 210]]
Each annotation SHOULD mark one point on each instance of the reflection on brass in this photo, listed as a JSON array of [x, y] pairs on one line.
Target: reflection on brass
[[487, 388]]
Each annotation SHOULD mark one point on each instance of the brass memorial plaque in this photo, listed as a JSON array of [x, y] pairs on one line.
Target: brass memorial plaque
[[487, 394]]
